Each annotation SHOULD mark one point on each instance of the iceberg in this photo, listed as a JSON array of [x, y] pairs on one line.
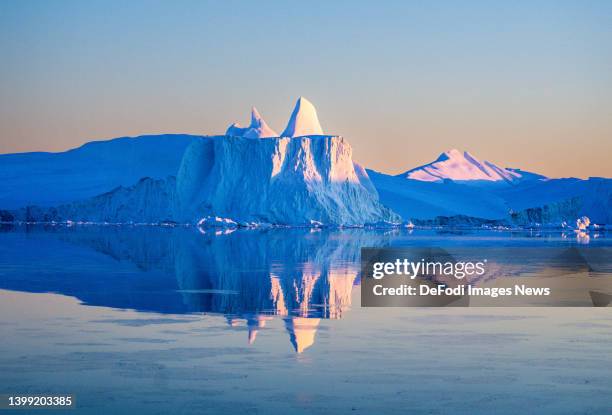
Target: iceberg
[[303, 121], [257, 129], [286, 180]]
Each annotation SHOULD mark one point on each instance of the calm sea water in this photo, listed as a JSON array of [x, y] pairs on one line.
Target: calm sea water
[[173, 320]]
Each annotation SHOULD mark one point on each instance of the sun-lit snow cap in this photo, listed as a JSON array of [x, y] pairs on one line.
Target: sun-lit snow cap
[[461, 166], [257, 129], [303, 121]]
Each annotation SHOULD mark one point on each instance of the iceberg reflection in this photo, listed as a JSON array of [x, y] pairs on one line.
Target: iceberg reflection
[[249, 277]]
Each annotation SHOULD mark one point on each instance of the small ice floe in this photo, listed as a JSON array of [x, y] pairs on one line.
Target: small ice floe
[[583, 223], [582, 230], [315, 224], [216, 222]]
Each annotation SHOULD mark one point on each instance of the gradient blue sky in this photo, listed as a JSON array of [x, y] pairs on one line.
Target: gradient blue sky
[[523, 84]]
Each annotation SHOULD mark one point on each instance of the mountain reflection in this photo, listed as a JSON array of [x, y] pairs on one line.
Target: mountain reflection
[[251, 277]]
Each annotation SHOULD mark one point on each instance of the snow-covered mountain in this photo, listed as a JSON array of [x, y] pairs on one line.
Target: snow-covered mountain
[[415, 199], [257, 129], [526, 202], [464, 167], [457, 184]]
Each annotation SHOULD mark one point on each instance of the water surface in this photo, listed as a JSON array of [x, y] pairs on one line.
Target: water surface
[[161, 320]]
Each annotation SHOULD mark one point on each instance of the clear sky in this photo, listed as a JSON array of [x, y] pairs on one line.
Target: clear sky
[[520, 83]]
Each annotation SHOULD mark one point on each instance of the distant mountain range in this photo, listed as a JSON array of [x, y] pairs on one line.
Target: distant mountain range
[[304, 177]]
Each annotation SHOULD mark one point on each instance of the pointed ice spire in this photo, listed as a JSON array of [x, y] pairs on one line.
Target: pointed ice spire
[[257, 129], [303, 121], [256, 118]]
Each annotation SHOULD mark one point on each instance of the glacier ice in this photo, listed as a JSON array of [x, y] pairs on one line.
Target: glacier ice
[[257, 129], [303, 121], [583, 223], [148, 201], [294, 181], [216, 222]]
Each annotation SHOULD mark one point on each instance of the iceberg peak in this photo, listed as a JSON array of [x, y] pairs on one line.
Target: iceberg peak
[[256, 118], [303, 121], [257, 129]]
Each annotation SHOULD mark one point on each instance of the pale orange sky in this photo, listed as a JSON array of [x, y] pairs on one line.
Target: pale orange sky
[[522, 86]]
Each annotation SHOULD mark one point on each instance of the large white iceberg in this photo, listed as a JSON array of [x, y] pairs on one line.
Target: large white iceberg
[[281, 180]]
